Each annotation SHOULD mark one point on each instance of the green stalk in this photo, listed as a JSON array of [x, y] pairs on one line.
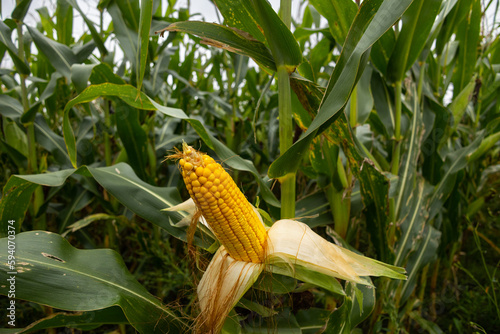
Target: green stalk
[[286, 140], [285, 122], [397, 130]]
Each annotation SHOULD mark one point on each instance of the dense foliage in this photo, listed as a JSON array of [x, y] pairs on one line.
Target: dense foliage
[[375, 122]]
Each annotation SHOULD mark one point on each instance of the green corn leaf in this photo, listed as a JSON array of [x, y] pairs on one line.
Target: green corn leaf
[[129, 93], [119, 180], [54, 273], [372, 21], [230, 39]]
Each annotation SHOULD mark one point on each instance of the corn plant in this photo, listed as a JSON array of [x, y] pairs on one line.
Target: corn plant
[[354, 139]]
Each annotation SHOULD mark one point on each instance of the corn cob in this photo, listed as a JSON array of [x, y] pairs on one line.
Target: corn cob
[[225, 208]]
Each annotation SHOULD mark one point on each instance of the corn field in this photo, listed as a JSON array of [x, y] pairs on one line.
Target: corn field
[[245, 166]]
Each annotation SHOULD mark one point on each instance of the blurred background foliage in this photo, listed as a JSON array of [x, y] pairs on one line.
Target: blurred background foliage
[[400, 162]]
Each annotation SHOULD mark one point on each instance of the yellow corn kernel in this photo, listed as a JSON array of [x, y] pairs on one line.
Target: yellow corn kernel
[[225, 208]]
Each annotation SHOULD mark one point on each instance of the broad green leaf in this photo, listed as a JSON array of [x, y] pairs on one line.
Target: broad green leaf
[[103, 73], [285, 49], [230, 39], [128, 93], [69, 139], [17, 157], [241, 15], [119, 180], [339, 13], [59, 55], [81, 320], [468, 37], [417, 23], [144, 28], [54, 273], [374, 18]]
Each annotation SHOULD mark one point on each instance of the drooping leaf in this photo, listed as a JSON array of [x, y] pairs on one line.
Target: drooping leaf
[[128, 94], [230, 39], [54, 273]]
